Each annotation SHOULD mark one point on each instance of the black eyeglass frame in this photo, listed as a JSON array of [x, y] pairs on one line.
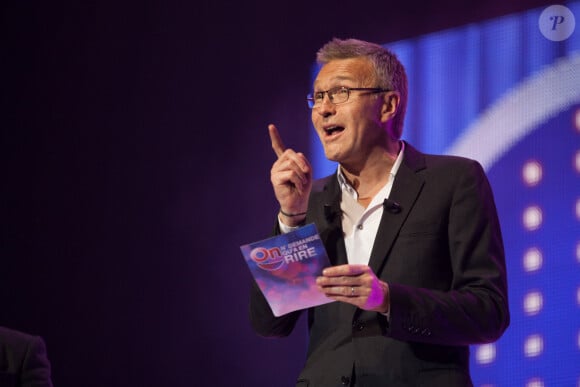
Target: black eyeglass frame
[[335, 90]]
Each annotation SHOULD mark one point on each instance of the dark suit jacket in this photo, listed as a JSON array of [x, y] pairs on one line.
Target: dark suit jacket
[[23, 360], [441, 252]]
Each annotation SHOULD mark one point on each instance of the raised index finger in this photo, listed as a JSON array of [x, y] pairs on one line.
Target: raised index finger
[[277, 143]]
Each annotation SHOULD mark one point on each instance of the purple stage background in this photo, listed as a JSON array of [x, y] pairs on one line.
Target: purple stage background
[[135, 162]]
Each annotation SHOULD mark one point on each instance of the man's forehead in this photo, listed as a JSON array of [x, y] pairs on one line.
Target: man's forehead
[[353, 69]]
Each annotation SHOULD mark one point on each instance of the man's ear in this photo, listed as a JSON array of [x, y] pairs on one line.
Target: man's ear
[[391, 100]]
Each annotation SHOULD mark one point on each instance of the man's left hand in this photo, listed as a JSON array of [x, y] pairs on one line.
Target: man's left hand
[[356, 285]]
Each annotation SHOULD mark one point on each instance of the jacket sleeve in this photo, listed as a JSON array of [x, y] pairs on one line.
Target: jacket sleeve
[[263, 320], [475, 307]]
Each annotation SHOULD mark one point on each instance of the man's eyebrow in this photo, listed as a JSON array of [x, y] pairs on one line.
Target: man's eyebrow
[[338, 78]]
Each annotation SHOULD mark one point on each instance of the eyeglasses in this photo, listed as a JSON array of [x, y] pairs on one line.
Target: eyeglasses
[[338, 95]]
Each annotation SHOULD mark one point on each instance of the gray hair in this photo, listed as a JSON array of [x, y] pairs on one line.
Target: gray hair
[[389, 72]]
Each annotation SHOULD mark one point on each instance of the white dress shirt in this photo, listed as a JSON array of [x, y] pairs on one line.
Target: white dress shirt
[[359, 224]]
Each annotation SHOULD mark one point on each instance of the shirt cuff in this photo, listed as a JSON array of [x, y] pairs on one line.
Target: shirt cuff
[[284, 229]]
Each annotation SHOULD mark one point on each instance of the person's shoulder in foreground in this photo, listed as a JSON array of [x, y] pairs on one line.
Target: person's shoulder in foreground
[[23, 360]]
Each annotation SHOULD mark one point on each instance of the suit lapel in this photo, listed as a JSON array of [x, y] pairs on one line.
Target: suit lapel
[[406, 188], [328, 217], [324, 205]]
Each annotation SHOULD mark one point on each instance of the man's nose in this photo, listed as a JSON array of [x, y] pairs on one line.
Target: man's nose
[[326, 107]]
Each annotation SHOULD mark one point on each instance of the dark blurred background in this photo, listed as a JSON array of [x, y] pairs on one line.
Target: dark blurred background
[[135, 160]]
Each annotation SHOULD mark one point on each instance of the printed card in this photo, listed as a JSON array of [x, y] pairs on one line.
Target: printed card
[[285, 268]]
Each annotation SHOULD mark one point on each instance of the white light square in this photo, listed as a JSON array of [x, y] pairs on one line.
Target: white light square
[[485, 353], [532, 259], [532, 217], [533, 346], [533, 302], [535, 382], [532, 173]]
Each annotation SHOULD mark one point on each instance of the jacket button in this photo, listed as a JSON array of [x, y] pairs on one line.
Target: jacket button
[[358, 325], [345, 380]]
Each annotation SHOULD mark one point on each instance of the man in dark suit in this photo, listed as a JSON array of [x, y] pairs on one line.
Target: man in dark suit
[[23, 360], [418, 268]]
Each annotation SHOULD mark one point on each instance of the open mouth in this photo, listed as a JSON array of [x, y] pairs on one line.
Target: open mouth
[[333, 130]]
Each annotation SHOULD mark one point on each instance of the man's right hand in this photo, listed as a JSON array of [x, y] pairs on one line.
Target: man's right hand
[[291, 178]]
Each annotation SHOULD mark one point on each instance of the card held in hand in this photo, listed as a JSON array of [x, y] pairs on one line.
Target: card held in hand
[[285, 268]]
